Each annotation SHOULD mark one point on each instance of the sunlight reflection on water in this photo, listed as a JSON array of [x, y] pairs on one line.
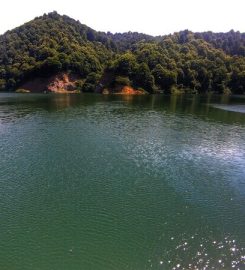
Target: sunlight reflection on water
[[232, 108], [228, 255]]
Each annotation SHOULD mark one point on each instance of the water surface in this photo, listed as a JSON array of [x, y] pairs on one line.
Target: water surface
[[109, 182]]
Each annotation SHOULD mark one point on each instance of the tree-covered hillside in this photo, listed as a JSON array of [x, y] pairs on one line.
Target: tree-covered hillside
[[183, 61]]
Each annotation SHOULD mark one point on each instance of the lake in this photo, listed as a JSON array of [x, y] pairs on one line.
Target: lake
[[122, 182]]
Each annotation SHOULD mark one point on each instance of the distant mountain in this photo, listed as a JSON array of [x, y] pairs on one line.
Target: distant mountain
[[80, 58]]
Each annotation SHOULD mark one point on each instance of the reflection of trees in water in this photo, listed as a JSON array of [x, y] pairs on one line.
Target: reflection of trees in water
[[60, 102], [15, 106]]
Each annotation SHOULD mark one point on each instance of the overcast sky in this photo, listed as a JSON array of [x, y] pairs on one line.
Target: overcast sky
[[155, 17]]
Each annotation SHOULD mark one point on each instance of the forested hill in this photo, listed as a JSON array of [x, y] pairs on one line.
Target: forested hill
[[183, 61]]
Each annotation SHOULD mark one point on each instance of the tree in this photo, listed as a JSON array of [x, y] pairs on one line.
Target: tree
[[2, 84], [53, 43], [125, 64], [91, 82], [51, 64], [120, 80], [143, 78], [164, 78]]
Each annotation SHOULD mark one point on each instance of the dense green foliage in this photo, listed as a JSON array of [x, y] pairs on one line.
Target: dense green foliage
[[195, 62]]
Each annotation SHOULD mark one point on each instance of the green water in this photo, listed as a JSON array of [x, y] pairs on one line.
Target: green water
[[108, 182]]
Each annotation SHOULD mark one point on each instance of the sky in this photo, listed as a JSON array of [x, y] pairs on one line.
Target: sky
[[155, 17]]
